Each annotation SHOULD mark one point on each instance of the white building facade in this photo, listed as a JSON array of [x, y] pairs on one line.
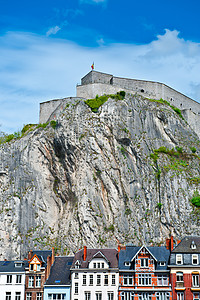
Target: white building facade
[[12, 280], [95, 275]]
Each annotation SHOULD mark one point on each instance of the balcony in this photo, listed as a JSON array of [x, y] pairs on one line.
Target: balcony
[[180, 285]]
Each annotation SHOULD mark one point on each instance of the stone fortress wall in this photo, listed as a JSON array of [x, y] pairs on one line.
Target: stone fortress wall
[[97, 83]]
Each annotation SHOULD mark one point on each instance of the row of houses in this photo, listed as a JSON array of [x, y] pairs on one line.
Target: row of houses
[[127, 273]]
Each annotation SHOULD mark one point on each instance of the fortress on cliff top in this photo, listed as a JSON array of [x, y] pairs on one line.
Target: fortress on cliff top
[[98, 83]]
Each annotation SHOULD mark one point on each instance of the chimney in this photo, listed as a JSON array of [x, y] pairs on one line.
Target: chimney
[[168, 244], [30, 254], [84, 253], [121, 247], [171, 243], [48, 267], [53, 256]]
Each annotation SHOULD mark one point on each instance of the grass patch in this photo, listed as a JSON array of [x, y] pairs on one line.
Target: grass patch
[[95, 103], [196, 199], [177, 110], [53, 124]]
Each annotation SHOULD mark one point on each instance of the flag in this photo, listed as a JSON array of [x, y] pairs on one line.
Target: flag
[[92, 66]]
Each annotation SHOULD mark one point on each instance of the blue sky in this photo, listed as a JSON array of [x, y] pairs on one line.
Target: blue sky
[[47, 46]]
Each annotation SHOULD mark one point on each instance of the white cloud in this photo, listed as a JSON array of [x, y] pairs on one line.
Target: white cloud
[[36, 69], [53, 30]]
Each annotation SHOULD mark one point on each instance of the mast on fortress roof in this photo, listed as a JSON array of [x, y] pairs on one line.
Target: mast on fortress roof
[[92, 66]]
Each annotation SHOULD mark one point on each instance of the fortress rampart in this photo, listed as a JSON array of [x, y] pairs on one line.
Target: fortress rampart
[[99, 83]]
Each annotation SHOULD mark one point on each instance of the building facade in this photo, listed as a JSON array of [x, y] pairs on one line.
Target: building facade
[[94, 275], [37, 271], [185, 269], [144, 274], [12, 280], [58, 285]]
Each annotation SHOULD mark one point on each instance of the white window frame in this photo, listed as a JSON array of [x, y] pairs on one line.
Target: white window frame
[[195, 280], [76, 288], [9, 279], [144, 279], [162, 296], [127, 295], [106, 279], [8, 295], [38, 281], [195, 257], [98, 295], [31, 281], [28, 296], [179, 259], [180, 295], [18, 278], [17, 295], [110, 295], [144, 262], [87, 295], [39, 296], [128, 279], [98, 279], [84, 279], [91, 279]]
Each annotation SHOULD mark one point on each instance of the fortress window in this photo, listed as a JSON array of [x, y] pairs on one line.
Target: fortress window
[[181, 104], [142, 91], [111, 80]]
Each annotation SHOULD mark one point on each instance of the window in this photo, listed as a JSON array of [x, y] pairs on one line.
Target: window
[[113, 279], [76, 276], [162, 263], [84, 279], [38, 281], [57, 297], [38, 267], [9, 278], [128, 280], [162, 279], [110, 295], [179, 277], [195, 259], [87, 296], [105, 279], [31, 267], [144, 262], [18, 278], [18, 265], [127, 296], [162, 296], [180, 296], [99, 265], [102, 265], [91, 279], [98, 279], [17, 295], [196, 296], [145, 296], [29, 296], [76, 287], [195, 280], [179, 259], [31, 281], [94, 265], [98, 295], [193, 245], [127, 263], [8, 295], [144, 279], [39, 296]]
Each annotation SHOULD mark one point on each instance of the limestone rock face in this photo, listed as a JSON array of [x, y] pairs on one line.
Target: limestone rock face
[[97, 180]]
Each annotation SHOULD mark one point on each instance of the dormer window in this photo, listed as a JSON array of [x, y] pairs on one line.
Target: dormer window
[[195, 259], [127, 263], [162, 263], [77, 264], [179, 259], [94, 265], [193, 245], [31, 267], [18, 264]]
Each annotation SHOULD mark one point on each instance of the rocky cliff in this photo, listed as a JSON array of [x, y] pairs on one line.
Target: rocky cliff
[[124, 174]]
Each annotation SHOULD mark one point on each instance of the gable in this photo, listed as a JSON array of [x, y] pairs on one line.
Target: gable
[[35, 260], [143, 251]]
